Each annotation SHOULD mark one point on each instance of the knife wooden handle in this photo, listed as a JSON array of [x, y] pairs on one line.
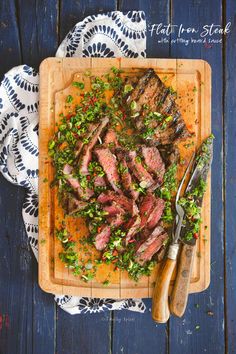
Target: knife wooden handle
[[160, 305], [179, 296]]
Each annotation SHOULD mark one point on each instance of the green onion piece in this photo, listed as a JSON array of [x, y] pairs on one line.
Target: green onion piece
[[128, 88], [133, 105], [69, 99], [80, 85]]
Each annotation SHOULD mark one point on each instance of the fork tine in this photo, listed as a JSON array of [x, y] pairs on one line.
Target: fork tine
[[183, 178]]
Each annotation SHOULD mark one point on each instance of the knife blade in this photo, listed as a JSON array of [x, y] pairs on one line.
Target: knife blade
[[193, 196]]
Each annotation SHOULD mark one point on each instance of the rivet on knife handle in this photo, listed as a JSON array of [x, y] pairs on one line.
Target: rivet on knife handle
[[179, 296], [160, 305]]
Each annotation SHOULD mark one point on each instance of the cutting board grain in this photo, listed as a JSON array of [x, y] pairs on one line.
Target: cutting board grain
[[192, 81]]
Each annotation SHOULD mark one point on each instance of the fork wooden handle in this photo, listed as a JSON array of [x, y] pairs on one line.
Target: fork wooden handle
[[160, 305], [179, 296]]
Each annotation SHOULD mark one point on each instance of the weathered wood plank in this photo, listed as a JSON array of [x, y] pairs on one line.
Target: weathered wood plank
[[15, 254], [85, 333], [37, 23], [134, 332], [16, 307], [9, 37], [138, 333], [230, 176], [38, 30], [43, 317], [202, 327], [155, 13]]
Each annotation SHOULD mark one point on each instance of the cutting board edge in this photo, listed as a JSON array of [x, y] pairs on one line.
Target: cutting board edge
[[45, 283]]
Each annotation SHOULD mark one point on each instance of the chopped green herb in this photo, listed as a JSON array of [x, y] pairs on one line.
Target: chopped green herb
[[148, 133], [139, 188], [122, 169], [106, 282], [80, 85], [116, 71], [127, 89], [172, 91], [133, 105], [69, 99]]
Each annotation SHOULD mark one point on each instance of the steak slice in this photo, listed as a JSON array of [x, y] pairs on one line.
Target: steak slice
[[127, 204], [99, 181], [146, 208], [90, 130], [133, 227], [154, 162], [156, 213], [78, 148], [113, 209], [68, 173], [109, 164], [84, 193], [126, 177], [151, 210], [136, 166], [110, 138], [140, 86], [102, 238], [116, 220], [115, 214], [169, 153], [148, 248], [74, 205], [86, 154]]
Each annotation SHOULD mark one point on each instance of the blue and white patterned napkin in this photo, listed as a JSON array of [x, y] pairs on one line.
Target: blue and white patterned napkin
[[105, 35]]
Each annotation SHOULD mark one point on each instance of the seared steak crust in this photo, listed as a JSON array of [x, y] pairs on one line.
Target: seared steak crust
[[151, 92]]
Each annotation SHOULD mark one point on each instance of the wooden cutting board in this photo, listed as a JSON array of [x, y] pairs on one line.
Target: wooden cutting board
[[192, 81]]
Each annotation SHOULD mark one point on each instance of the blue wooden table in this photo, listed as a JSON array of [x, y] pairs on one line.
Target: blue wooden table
[[30, 322]]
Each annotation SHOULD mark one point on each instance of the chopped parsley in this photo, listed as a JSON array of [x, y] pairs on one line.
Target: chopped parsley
[[69, 99], [122, 169], [80, 85], [133, 105], [166, 192], [127, 89]]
